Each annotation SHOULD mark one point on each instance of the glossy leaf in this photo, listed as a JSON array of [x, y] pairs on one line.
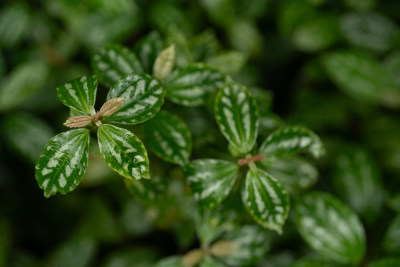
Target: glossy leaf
[[358, 181], [330, 227], [237, 115], [79, 94], [144, 96], [123, 152], [265, 199], [391, 240], [168, 137], [23, 82], [113, 62], [211, 180], [253, 241], [148, 50], [386, 262], [192, 85], [289, 140], [63, 162]]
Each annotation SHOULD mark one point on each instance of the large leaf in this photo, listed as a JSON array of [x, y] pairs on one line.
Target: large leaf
[[289, 140], [358, 181], [168, 137], [265, 199], [237, 115], [113, 61], [330, 227], [253, 242], [148, 50], [123, 152], [361, 77], [211, 180], [391, 240], [386, 262], [63, 162], [144, 98], [23, 82], [79, 94], [192, 85]]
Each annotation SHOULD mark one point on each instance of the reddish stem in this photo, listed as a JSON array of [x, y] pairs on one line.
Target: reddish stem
[[254, 158]]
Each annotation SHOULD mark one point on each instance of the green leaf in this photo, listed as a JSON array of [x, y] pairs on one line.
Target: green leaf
[[237, 115], [330, 227], [27, 134], [211, 180], [128, 257], [294, 173], [63, 162], [290, 140], [265, 199], [362, 78], [123, 152], [208, 261], [168, 137], [79, 94], [148, 50], [228, 62], [113, 61], [147, 190], [358, 181], [173, 261], [386, 262], [14, 24], [391, 240], [204, 45], [23, 82], [254, 242], [144, 98], [191, 86]]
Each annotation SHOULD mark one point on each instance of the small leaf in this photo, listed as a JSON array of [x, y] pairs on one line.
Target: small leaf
[[253, 243], [148, 49], [237, 115], [164, 63], [78, 121], [192, 85], [193, 257], [210, 262], [144, 96], [63, 162], [330, 227], [173, 261], [265, 199], [224, 248], [110, 107], [123, 152], [228, 62], [289, 140], [79, 94], [168, 137], [391, 240], [113, 61], [386, 262], [211, 180]]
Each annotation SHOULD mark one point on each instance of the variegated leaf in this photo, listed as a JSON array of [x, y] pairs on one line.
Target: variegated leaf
[[63, 162], [330, 228], [192, 85], [79, 94], [168, 137], [211, 180], [148, 50], [289, 140], [265, 199], [113, 61], [123, 152], [144, 96], [237, 115]]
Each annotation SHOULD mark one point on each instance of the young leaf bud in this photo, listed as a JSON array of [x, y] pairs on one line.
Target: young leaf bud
[[224, 248], [193, 257], [78, 121], [110, 107], [164, 63]]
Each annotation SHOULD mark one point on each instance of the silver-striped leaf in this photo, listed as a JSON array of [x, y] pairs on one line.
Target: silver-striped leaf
[[237, 115], [123, 152], [79, 94], [148, 49], [266, 199], [144, 97], [330, 227], [168, 137], [211, 180], [113, 62], [290, 140], [192, 85], [253, 241], [63, 162]]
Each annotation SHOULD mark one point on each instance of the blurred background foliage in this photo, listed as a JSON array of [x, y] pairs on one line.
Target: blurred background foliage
[[331, 65]]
